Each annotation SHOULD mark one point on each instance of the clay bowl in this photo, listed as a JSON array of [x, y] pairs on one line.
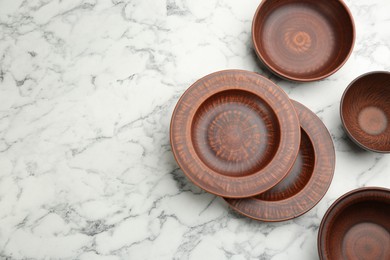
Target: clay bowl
[[365, 111], [357, 226], [305, 184], [235, 133], [303, 40]]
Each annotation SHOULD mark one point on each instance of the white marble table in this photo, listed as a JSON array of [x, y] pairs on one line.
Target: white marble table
[[87, 89]]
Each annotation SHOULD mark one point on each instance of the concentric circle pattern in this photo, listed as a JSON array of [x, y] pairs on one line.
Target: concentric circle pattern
[[303, 40], [366, 241], [373, 120], [299, 40], [357, 226], [235, 133]]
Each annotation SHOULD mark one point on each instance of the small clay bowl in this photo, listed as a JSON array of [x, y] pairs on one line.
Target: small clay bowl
[[365, 111], [235, 133], [303, 40], [357, 226], [305, 184]]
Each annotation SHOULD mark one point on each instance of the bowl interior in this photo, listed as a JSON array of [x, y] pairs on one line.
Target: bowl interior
[[299, 175], [303, 39], [365, 111], [359, 229], [235, 133]]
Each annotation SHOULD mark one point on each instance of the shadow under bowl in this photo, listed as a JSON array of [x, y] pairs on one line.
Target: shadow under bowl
[[303, 40], [365, 111], [357, 226]]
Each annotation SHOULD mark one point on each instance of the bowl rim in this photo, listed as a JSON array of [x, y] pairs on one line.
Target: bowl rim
[[294, 121], [349, 133], [336, 204], [297, 79], [310, 127]]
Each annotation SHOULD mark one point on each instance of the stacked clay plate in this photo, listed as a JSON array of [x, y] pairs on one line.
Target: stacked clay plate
[[238, 135]]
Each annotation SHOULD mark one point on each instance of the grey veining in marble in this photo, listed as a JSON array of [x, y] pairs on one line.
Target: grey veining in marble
[[87, 88]]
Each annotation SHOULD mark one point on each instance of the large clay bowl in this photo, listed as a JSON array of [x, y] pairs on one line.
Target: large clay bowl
[[305, 184], [365, 111], [303, 40], [357, 226], [235, 133]]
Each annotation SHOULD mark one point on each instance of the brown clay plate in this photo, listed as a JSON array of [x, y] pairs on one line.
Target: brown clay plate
[[365, 111], [357, 226], [235, 133], [303, 40], [305, 184]]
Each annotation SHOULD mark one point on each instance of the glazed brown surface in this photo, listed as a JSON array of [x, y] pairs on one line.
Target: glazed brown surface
[[303, 40], [305, 184], [365, 111], [357, 226], [235, 133]]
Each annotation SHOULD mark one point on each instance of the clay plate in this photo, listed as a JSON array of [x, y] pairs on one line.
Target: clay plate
[[303, 40], [357, 226], [235, 133], [365, 111], [305, 184]]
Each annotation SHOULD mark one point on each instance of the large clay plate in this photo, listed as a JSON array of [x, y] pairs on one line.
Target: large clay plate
[[305, 184], [235, 133], [303, 40], [357, 226]]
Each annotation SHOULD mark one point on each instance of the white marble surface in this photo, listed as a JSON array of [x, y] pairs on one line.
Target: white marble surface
[[87, 89]]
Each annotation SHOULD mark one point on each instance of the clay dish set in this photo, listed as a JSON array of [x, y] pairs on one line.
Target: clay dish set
[[238, 135]]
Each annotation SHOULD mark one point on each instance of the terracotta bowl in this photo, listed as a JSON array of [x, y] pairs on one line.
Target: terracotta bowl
[[303, 40], [305, 184], [365, 111], [235, 133], [357, 226]]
